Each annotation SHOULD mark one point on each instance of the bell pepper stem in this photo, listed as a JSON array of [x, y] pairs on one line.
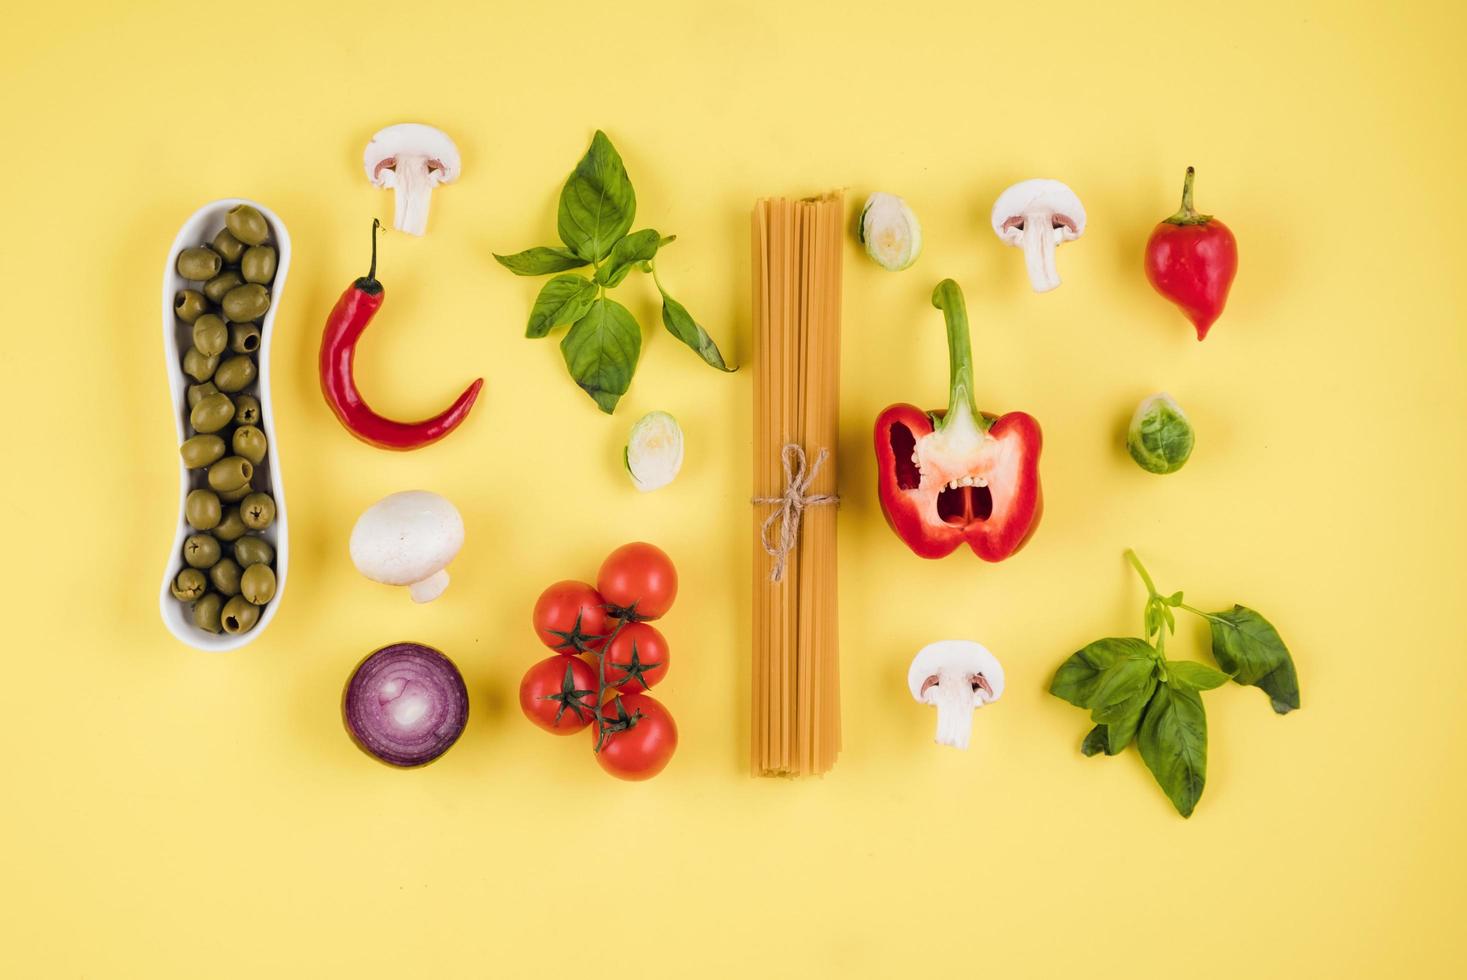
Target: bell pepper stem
[[948, 298], [1187, 214]]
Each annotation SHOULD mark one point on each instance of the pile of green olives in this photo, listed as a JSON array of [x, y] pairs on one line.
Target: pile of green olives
[[229, 568]]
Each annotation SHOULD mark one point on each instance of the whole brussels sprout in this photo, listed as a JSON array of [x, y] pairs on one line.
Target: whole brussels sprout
[[1160, 437]]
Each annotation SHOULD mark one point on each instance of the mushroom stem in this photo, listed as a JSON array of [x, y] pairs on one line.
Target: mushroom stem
[[1040, 238], [955, 703], [429, 588], [412, 185]]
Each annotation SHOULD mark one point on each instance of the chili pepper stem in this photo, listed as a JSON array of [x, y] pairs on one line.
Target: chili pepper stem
[[962, 407], [369, 283], [1187, 214]]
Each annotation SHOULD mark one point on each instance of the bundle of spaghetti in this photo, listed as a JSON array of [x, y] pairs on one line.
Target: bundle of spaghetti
[[797, 303]]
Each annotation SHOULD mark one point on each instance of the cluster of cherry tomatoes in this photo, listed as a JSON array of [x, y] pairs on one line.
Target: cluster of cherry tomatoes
[[607, 656]]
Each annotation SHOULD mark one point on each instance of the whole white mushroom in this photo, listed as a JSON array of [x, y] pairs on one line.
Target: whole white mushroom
[[408, 538]]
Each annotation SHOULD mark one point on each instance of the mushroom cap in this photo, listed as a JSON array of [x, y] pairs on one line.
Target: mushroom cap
[[961, 656], [406, 537], [1039, 195], [414, 139]]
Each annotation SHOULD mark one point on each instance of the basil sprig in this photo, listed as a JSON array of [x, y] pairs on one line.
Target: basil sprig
[[1135, 693], [597, 207]]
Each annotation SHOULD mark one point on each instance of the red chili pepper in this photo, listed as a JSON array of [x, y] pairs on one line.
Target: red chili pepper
[[1191, 259], [344, 327], [959, 475]]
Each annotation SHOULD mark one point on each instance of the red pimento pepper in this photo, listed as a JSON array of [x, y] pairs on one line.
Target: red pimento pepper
[[960, 475], [1191, 259], [344, 327]]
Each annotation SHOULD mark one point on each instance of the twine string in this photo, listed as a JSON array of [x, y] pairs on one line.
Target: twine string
[[789, 507]]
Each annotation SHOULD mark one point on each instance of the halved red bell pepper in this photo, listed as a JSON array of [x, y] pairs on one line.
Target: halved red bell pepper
[[959, 475]]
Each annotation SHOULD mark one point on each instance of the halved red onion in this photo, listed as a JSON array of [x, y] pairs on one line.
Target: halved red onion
[[405, 704]]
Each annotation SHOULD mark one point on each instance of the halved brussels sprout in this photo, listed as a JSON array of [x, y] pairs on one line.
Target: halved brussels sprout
[[654, 451], [1160, 437], [890, 232]]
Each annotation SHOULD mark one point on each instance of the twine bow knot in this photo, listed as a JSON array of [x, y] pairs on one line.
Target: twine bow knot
[[790, 505]]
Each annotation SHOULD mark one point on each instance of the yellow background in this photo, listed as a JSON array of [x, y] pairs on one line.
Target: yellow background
[[169, 813]]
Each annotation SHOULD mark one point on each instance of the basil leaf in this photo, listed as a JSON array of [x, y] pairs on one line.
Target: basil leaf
[[1247, 646], [680, 323], [539, 261], [626, 254], [1173, 743], [1199, 677], [564, 299], [597, 203], [601, 351], [1120, 698], [1078, 677], [1120, 682], [1095, 742], [1153, 620]]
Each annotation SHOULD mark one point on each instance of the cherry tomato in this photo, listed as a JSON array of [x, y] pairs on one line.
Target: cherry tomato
[[638, 577], [558, 694], [636, 659], [643, 749], [567, 617]]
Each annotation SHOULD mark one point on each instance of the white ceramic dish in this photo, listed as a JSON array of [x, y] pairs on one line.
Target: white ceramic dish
[[178, 338]]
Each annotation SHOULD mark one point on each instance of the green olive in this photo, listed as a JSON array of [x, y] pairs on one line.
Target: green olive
[[257, 511], [235, 374], [201, 451], [211, 335], [206, 612], [191, 584], [212, 413], [228, 246], [200, 550], [197, 392], [230, 473], [189, 305], [246, 411], [236, 495], [253, 550], [199, 366], [249, 442], [247, 224], [230, 527], [239, 615], [201, 509], [199, 263], [217, 288], [244, 338], [258, 264], [247, 302], [225, 576], [257, 584]]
